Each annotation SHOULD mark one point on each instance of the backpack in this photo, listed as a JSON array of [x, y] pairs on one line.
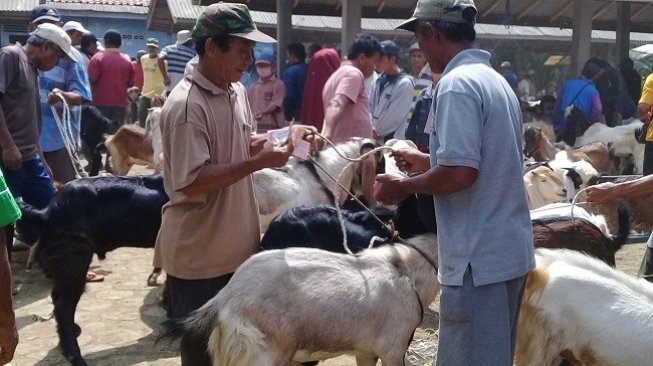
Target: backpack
[[576, 122]]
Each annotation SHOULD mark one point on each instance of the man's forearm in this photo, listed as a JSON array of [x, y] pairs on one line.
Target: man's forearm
[[5, 137], [441, 180], [331, 116], [636, 188], [73, 98], [212, 178]]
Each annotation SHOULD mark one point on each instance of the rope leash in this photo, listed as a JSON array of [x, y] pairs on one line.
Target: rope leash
[[65, 129], [389, 227]]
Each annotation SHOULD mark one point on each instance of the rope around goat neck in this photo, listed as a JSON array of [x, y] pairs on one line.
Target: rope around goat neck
[[389, 227]]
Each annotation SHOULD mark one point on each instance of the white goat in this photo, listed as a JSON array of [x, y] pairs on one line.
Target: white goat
[[544, 186], [300, 183], [283, 307], [578, 308], [153, 128], [622, 138]]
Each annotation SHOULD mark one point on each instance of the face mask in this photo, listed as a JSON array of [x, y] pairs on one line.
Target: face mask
[[264, 72]]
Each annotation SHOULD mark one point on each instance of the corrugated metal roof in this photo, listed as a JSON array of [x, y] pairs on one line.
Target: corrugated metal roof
[[186, 13], [18, 5], [111, 6]]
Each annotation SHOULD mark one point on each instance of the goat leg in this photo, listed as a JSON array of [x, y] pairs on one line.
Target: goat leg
[[366, 361], [152, 278], [66, 261]]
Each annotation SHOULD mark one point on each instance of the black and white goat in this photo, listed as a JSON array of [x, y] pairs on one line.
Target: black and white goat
[[302, 182]]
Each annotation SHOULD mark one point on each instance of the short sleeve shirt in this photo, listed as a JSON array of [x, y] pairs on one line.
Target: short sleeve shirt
[[356, 120], [67, 76], [647, 98], [20, 99], [478, 125], [207, 235], [110, 73]]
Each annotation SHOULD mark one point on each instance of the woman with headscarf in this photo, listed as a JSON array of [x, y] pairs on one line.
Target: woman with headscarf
[[323, 63]]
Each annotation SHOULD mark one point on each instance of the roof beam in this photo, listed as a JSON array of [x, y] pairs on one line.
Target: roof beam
[[381, 6], [529, 8], [491, 8], [601, 10], [641, 11], [561, 11]]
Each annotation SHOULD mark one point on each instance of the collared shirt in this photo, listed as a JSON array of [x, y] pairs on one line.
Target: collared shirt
[[390, 102], [478, 124], [355, 120], [266, 98], [177, 57], [69, 77], [206, 235], [20, 99], [294, 78], [110, 73]]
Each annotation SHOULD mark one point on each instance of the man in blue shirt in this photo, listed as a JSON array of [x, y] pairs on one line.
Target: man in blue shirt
[[178, 55], [70, 81], [294, 77], [510, 76], [485, 242], [581, 93]]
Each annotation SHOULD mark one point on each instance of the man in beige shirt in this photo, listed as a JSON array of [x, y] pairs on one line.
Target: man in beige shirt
[[211, 225]]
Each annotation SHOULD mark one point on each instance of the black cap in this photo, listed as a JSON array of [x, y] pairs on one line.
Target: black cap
[[390, 48], [45, 12]]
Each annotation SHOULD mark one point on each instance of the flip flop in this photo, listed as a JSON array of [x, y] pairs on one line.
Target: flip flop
[[94, 277]]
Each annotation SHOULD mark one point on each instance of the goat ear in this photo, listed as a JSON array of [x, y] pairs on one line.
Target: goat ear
[[367, 145]]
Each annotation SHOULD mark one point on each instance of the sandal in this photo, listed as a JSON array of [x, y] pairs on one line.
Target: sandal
[[94, 277]]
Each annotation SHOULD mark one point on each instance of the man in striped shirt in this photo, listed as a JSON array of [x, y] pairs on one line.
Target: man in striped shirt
[[178, 55]]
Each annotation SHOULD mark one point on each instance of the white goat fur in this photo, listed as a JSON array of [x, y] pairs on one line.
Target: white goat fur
[[295, 305], [582, 308], [390, 164], [566, 210], [153, 127], [278, 190], [543, 186], [622, 138], [584, 169]]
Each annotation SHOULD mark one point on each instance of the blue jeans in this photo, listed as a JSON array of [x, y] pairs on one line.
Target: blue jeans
[[33, 184]]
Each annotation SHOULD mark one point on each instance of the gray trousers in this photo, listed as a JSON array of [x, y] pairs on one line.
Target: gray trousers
[[478, 325]]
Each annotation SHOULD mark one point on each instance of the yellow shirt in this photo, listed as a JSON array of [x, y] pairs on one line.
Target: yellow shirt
[[153, 83], [647, 98]]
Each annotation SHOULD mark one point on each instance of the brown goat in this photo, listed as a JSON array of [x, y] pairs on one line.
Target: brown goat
[[538, 146], [128, 146], [582, 235]]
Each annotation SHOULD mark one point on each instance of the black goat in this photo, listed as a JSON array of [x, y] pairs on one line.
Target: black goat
[[94, 126], [317, 226], [91, 215]]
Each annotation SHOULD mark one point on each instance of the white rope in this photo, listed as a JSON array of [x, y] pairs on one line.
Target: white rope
[[65, 129], [339, 184]]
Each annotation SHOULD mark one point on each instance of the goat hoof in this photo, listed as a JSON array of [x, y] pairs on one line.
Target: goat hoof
[[151, 279]]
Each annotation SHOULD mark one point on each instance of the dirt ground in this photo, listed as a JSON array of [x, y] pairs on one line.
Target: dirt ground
[[120, 317]]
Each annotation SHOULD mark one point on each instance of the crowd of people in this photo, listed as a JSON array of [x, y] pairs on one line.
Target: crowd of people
[[220, 102]]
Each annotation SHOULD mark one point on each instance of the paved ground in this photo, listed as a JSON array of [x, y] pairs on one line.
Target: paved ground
[[120, 316]]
